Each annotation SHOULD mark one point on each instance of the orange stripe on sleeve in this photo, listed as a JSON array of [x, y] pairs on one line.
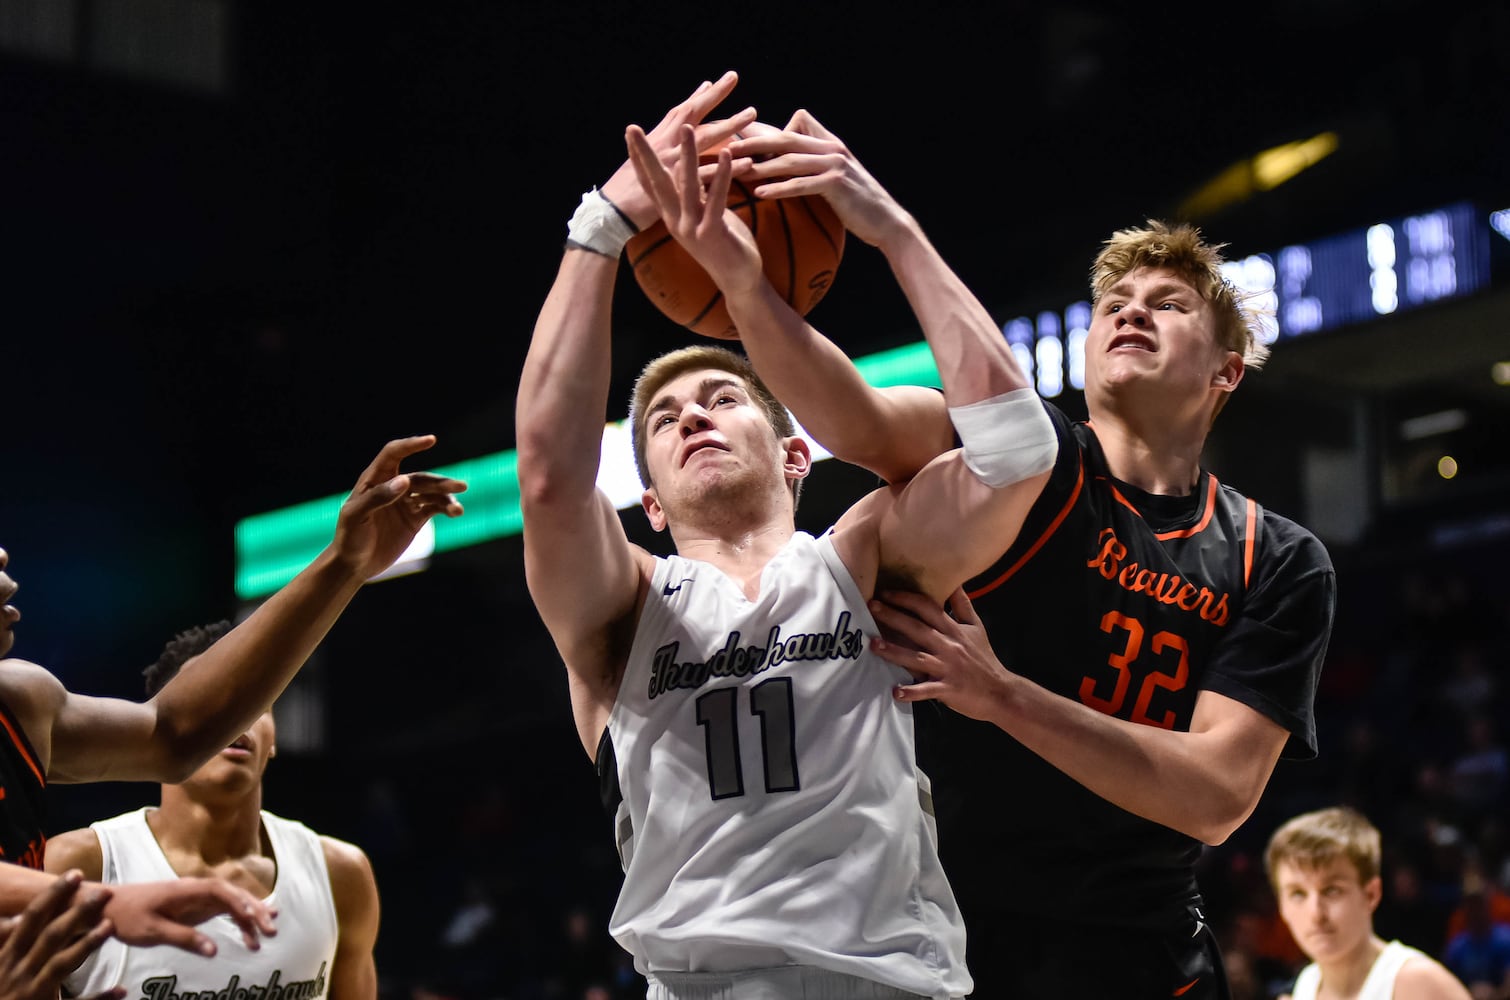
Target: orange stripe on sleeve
[[1251, 541], [1047, 534], [21, 746]]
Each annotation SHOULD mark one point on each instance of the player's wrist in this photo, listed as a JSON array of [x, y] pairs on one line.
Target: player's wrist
[[599, 226]]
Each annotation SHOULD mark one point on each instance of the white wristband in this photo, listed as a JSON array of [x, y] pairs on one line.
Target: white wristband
[[599, 226], [1006, 438]]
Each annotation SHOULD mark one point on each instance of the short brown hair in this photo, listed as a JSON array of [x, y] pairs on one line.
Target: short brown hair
[[668, 366], [1315, 839], [1180, 249]]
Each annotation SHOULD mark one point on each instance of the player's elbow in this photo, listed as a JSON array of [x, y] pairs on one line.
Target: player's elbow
[[543, 483], [178, 748], [1224, 810]]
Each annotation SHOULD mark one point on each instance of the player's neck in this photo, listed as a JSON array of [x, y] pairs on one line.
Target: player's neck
[[740, 553], [212, 828], [1344, 978], [1155, 456]]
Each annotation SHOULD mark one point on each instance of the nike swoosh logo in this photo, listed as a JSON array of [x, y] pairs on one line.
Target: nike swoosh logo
[[1186, 988], [668, 590]]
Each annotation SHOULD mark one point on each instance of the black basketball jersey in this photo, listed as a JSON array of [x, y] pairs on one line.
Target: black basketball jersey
[[22, 803], [1133, 604]]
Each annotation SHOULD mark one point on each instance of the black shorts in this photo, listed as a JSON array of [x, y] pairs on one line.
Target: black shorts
[[1026, 957]]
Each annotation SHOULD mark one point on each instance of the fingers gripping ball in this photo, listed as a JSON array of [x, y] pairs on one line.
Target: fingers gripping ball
[[801, 241]]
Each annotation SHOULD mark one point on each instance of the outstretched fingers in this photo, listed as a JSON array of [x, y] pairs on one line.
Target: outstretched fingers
[[654, 180], [385, 465], [804, 123], [708, 96], [429, 494]]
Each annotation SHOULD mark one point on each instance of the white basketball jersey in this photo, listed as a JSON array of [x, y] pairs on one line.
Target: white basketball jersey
[[293, 964], [772, 810], [1380, 984]]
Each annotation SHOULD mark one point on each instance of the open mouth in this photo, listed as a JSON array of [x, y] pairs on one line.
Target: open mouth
[[701, 446], [1139, 341]]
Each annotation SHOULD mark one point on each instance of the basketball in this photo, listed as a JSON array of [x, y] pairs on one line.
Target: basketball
[[800, 241]]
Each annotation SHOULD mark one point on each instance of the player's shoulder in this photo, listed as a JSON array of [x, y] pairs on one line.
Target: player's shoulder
[[353, 886], [33, 696], [75, 849], [1281, 537], [25, 685], [344, 857], [1425, 977]]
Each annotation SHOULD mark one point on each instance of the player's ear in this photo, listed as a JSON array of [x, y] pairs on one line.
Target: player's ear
[[1373, 891], [798, 459], [1230, 373], [653, 510]]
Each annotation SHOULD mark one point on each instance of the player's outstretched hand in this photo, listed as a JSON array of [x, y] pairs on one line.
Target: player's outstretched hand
[[807, 159], [152, 913], [665, 140], [387, 508], [46, 941], [695, 213], [949, 657]]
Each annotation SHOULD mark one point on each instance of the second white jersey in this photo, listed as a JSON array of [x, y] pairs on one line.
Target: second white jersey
[[772, 811], [294, 963], [1380, 984]]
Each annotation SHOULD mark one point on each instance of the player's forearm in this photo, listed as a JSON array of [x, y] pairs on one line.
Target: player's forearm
[[563, 390], [807, 371], [220, 693], [1181, 780], [19, 885], [973, 358]]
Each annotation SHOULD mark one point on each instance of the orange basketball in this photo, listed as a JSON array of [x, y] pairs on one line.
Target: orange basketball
[[800, 240]]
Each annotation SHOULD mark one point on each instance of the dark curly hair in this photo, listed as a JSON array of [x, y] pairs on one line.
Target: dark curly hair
[[180, 649]]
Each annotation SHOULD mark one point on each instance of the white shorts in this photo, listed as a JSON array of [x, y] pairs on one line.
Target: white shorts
[[792, 982]]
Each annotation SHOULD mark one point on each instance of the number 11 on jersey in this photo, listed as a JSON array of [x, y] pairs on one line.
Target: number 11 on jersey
[[718, 714]]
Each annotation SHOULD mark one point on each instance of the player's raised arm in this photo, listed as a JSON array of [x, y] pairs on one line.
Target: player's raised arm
[[218, 696], [964, 508], [583, 573], [974, 361]]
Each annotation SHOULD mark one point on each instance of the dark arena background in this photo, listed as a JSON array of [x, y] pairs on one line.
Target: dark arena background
[[244, 243]]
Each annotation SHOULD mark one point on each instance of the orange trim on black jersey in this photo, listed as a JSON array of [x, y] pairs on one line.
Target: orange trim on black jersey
[[1250, 542], [1194, 529], [1053, 527], [15, 738]]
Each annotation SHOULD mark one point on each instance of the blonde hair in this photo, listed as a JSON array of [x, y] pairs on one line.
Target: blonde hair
[[1180, 249], [670, 365], [1316, 839]]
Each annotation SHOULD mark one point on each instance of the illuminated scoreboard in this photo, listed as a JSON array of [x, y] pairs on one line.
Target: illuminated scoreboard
[[1337, 281]]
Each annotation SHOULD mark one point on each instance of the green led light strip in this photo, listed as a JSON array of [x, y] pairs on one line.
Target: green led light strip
[[272, 547]]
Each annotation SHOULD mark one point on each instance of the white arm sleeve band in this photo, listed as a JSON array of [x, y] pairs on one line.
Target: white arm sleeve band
[[1006, 438]]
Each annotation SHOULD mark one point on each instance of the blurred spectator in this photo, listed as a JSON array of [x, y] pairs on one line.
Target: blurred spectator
[[1479, 954]]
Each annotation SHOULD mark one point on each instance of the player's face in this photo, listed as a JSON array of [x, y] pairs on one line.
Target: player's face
[[8, 613], [704, 429], [1153, 331], [1328, 909]]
